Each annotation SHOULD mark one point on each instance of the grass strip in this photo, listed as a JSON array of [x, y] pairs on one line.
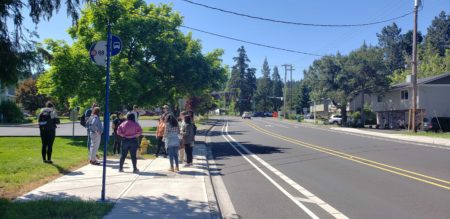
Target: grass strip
[[67, 208]]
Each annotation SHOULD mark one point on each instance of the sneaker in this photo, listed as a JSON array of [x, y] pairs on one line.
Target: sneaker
[[44, 161], [177, 169], [187, 165], [49, 161], [121, 170], [136, 170], [170, 169]]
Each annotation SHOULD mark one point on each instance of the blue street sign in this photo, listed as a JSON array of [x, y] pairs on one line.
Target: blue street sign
[[116, 45]]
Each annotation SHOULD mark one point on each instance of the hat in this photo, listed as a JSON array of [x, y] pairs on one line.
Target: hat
[[165, 107]]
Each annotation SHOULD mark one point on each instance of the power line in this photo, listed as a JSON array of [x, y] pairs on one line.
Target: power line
[[297, 23], [252, 43]]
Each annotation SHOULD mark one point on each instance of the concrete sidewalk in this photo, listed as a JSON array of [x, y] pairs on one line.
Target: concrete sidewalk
[[153, 193], [410, 138]]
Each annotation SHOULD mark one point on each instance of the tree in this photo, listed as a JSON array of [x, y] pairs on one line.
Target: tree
[[157, 64], [14, 47], [438, 34], [243, 80], [277, 89], [264, 88], [369, 70], [390, 39], [28, 97], [303, 96]]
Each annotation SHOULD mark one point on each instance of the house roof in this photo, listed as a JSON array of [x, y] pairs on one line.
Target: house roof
[[421, 81]]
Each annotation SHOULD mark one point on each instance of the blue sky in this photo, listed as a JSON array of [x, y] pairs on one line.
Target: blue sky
[[317, 40]]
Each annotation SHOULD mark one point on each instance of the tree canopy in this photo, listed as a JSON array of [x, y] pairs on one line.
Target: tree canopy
[[157, 64]]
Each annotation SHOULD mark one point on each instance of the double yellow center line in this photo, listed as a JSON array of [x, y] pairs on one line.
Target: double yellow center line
[[388, 168]]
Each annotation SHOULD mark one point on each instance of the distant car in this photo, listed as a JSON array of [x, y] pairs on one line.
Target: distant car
[[258, 114], [246, 115], [268, 114], [437, 124], [309, 116], [335, 119]]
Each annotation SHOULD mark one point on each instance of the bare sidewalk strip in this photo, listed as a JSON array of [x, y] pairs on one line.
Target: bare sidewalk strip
[[153, 193]]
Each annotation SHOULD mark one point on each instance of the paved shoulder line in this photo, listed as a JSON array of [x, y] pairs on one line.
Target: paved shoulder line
[[223, 198], [310, 196]]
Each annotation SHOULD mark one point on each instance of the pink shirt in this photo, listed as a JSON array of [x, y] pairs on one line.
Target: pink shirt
[[129, 129]]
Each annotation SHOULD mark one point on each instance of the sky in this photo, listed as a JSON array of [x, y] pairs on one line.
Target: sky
[[316, 40]]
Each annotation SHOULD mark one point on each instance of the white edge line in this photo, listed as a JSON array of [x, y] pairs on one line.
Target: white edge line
[[297, 202], [328, 208]]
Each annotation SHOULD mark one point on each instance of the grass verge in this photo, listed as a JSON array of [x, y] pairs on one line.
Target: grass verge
[[149, 129], [54, 209], [22, 168], [445, 135]]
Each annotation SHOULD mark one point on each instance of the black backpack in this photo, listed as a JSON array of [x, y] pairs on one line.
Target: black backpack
[[83, 117], [45, 120]]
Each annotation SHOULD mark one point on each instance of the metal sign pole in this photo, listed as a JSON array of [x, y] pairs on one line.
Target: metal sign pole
[[106, 116]]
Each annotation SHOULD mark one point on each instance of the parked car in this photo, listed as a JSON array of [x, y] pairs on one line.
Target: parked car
[[335, 119], [309, 116], [258, 114], [268, 114], [246, 115], [436, 124]]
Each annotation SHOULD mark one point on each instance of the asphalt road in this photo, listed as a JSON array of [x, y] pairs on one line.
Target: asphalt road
[[62, 130], [277, 169]]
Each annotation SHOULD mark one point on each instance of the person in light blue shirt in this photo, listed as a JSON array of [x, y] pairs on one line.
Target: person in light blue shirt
[[96, 130]]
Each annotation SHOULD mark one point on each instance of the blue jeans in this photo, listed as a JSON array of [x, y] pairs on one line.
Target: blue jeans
[[173, 155]]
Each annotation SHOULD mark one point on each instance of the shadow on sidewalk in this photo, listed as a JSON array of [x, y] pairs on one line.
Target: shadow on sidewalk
[[165, 206]]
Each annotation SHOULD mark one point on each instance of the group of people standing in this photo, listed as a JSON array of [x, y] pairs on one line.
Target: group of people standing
[[126, 135], [177, 137]]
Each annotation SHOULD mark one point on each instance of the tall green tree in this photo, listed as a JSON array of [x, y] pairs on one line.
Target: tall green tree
[[243, 79], [390, 40], [14, 46], [277, 89], [438, 34], [157, 64], [264, 89], [303, 96]]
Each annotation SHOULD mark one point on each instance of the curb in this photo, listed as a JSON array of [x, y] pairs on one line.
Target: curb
[[211, 193]]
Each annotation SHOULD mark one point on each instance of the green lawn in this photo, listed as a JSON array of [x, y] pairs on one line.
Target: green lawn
[[54, 209], [22, 168], [148, 117], [430, 134], [149, 129]]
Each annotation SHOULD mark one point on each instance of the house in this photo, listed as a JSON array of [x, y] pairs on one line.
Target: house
[[8, 93], [323, 108], [393, 106]]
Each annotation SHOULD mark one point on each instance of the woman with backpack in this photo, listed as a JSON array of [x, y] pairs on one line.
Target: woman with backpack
[[187, 133], [95, 128], [47, 129], [129, 130], [172, 141]]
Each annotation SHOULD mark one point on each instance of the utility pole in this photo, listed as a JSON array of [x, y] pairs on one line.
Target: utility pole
[[287, 67], [414, 67]]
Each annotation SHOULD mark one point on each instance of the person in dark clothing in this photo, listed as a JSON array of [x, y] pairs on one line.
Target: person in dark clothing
[[47, 129], [187, 133], [129, 131], [117, 139]]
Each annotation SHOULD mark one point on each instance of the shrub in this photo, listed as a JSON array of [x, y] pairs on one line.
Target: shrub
[[10, 113]]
